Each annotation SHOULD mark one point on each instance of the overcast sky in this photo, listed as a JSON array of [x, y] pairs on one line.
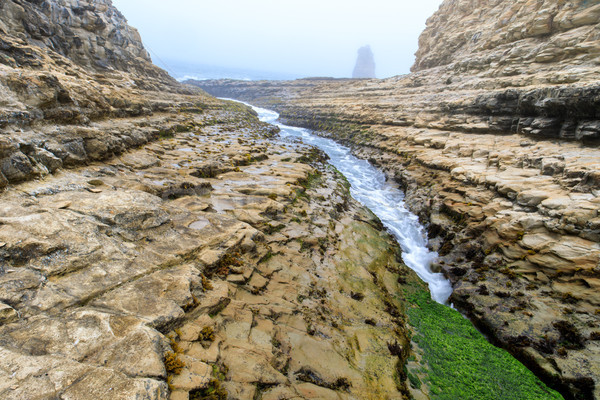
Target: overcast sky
[[298, 37]]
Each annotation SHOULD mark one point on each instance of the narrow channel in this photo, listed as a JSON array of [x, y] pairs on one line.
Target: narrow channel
[[458, 362], [368, 185]]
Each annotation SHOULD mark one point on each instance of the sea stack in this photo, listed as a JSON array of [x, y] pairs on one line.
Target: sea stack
[[365, 63]]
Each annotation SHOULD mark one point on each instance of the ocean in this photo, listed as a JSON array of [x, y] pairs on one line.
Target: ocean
[[184, 70]]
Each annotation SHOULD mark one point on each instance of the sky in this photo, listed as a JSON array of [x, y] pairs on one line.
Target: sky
[[299, 38]]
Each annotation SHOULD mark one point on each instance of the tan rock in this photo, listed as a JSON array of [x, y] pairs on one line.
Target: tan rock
[[179, 395], [35, 376], [92, 270], [310, 391], [321, 357], [281, 393], [531, 198], [240, 390], [188, 380], [537, 241], [7, 314], [190, 331], [238, 279], [199, 352], [257, 281], [247, 366]]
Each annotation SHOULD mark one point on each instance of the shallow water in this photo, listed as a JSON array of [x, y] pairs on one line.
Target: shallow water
[[368, 185]]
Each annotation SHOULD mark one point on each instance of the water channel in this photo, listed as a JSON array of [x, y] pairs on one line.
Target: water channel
[[369, 186]]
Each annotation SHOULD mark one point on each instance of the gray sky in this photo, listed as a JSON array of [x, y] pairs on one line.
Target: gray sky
[[299, 37]]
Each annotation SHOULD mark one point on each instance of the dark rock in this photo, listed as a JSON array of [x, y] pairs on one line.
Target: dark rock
[[211, 170], [97, 149], [587, 131], [7, 147], [3, 181], [570, 338], [17, 167], [74, 152], [185, 189], [546, 127], [46, 158]]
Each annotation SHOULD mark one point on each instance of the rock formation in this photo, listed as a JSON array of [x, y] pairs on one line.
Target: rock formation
[[111, 272], [72, 29], [365, 64], [72, 63], [158, 243], [494, 138]]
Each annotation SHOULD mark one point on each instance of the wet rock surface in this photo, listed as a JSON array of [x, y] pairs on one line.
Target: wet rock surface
[[158, 243], [493, 139], [209, 261], [515, 231]]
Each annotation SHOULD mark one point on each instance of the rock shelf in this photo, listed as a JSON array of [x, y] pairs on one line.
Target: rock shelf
[[156, 242], [494, 139]]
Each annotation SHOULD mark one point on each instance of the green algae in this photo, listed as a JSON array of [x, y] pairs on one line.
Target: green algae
[[461, 364]]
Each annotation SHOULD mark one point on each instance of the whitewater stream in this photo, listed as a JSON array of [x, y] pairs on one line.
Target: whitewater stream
[[368, 185]]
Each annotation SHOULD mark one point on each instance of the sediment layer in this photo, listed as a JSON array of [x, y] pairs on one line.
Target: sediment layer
[[158, 243], [527, 67], [65, 65], [494, 139], [195, 260]]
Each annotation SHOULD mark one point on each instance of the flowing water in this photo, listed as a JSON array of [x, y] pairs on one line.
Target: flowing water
[[368, 185]]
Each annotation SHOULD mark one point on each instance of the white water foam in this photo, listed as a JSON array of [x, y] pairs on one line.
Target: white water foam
[[368, 185], [208, 77]]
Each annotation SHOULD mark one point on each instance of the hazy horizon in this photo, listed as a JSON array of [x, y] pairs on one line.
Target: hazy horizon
[[288, 39]]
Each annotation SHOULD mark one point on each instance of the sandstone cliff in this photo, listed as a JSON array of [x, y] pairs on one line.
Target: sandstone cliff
[[548, 49], [93, 34], [158, 243], [494, 138], [72, 62]]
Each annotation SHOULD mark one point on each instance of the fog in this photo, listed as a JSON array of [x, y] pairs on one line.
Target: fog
[[286, 38]]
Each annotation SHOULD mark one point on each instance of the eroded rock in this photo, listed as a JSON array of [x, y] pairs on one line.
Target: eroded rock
[[492, 139]]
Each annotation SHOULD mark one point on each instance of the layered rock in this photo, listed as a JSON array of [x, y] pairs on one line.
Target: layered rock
[[93, 34], [158, 243], [474, 74], [111, 273], [73, 62], [494, 37], [551, 46], [494, 139]]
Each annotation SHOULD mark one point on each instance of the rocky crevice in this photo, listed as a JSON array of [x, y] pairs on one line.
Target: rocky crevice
[[494, 139], [156, 242], [518, 261], [512, 255], [299, 316], [211, 261]]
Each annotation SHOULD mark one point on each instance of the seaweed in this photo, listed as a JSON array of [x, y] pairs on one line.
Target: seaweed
[[461, 364]]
